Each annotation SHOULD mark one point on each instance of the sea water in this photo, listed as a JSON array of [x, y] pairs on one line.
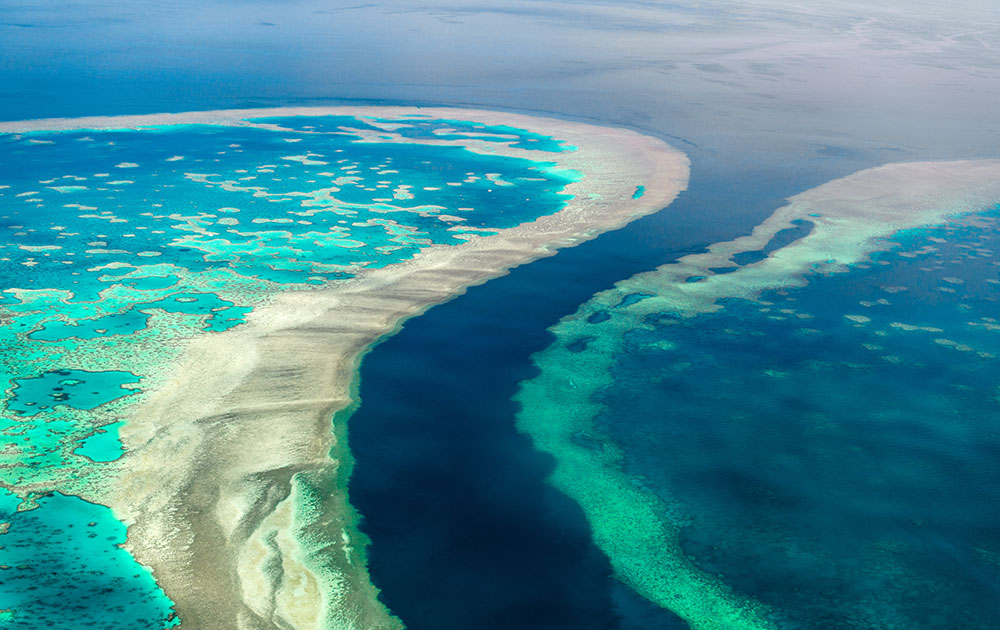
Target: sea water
[[465, 532], [816, 456], [831, 450], [739, 99]]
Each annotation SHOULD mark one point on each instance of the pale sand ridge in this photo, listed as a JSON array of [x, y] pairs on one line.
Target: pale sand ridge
[[223, 463]]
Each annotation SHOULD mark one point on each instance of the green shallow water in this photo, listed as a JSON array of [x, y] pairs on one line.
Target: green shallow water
[[820, 456]]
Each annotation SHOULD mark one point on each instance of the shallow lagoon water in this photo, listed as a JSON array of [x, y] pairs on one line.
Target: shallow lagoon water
[[62, 566], [104, 445], [118, 245], [78, 389]]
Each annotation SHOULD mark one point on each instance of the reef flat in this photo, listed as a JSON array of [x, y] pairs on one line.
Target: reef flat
[[628, 440], [187, 298]]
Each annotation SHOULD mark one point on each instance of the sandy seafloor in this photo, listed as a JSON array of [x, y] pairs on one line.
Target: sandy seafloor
[[293, 239]]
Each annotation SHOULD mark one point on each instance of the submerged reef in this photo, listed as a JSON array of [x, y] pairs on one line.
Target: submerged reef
[[741, 456], [185, 298]]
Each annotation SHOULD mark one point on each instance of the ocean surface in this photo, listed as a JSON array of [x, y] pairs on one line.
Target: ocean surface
[[842, 479]]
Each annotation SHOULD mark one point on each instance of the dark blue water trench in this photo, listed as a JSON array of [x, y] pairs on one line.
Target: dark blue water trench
[[465, 532]]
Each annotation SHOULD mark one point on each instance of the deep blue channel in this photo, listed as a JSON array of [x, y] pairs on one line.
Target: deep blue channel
[[465, 532]]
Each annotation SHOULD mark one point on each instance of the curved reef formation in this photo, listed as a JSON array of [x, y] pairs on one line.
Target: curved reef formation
[[822, 231], [203, 285]]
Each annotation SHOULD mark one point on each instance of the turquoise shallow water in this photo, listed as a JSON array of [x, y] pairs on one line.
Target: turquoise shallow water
[[831, 451], [117, 245], [250, 199], [102, 446], [78, 389], [62, 566]]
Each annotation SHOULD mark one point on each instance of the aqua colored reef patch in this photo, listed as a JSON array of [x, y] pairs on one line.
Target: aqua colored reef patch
[[115, 324], [222, 314], [78, 389], [103, 446]]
